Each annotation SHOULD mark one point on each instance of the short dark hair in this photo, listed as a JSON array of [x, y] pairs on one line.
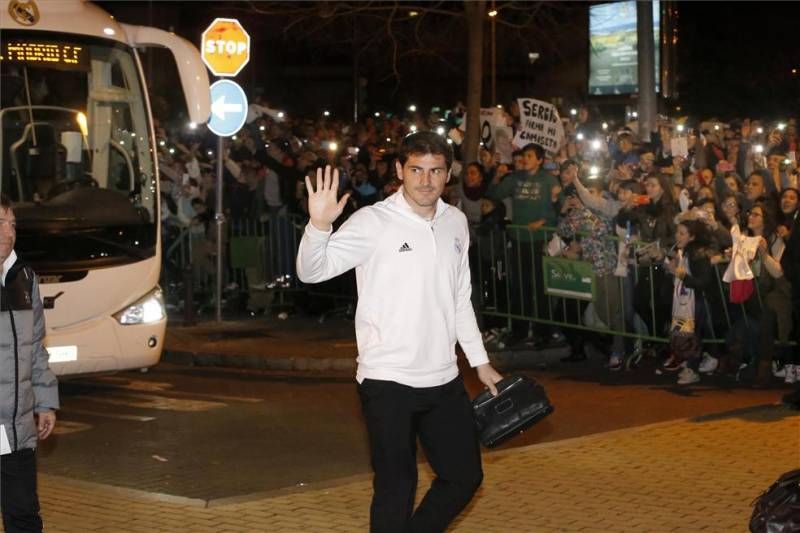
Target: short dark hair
[[776, 150], [696, 229], [423, 143], [5, 202], [533, 147], [566, 164]]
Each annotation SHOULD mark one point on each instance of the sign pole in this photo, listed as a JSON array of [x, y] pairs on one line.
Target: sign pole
[[225, 51], [219, 218]]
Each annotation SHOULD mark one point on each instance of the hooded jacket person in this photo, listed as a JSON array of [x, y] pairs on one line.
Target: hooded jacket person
[[23, 361], [28, 388]]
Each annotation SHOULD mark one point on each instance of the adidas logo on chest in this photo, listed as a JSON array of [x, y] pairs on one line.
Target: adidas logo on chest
[[405, 248]]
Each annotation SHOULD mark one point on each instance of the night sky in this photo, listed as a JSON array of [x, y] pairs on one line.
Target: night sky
[[739, 56], [734, 58]]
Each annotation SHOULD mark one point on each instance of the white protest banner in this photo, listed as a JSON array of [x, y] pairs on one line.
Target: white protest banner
[[540, 124]]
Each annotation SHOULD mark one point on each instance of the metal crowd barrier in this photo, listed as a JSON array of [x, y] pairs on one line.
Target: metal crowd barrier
[[260, 266], [498, 271], [261, 260]]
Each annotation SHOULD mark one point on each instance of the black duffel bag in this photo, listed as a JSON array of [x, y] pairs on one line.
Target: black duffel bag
[[519, 404], [777, 510]]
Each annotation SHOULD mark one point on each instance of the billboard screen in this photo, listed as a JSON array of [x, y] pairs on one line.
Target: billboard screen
[[612, 48]]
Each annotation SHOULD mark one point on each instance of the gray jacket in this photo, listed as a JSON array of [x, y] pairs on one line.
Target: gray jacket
[[27, 384]]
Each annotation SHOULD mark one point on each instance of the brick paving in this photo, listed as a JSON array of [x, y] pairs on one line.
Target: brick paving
[[690, 475]]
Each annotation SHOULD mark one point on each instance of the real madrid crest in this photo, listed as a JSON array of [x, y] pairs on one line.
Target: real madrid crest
[[24, 12]]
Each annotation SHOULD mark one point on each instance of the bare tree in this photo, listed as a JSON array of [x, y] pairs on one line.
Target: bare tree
[[388, 36]]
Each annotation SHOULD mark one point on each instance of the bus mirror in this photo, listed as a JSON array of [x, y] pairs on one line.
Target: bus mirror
[[192, 70]]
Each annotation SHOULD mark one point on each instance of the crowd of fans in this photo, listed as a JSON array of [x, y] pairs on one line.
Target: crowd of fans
[[691, 234]]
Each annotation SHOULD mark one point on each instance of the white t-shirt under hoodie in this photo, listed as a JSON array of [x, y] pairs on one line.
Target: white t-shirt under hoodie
[[413, 286]]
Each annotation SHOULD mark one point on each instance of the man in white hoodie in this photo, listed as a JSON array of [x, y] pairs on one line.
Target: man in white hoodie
[[412, 271]]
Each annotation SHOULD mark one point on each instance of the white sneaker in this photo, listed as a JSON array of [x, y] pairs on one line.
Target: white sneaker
[[792, 374], [779, 371], [687, 376], [615, 362], [709, 364]]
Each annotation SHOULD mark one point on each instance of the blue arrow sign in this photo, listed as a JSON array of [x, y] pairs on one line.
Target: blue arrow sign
[[228, 108]]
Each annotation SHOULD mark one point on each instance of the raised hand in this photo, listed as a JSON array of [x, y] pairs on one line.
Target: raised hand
[[323, 206]]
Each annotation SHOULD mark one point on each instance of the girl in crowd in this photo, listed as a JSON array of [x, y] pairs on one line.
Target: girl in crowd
[[656, 226], [691, 277], [774, 314]]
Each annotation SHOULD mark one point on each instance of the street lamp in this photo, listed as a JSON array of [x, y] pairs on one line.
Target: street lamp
[[493, 17]]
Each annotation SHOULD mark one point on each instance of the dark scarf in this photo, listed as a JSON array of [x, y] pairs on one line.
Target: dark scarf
[[475, 193]]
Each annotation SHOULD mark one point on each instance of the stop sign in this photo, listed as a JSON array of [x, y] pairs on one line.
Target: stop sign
[[225, 47]]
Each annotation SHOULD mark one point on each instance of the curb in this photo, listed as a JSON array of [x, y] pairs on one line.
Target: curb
[[505, 360], [260, 362]]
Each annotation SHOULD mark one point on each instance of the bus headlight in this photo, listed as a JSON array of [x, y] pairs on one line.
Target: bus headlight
[[148, 309]]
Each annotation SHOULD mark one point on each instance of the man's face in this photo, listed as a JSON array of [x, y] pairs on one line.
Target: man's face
[[424, 177], [754, 187], [625, 145], [530, 161], [8, 233]]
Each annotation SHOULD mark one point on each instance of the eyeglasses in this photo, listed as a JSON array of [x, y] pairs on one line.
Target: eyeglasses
[[729, 205], [754, 214]]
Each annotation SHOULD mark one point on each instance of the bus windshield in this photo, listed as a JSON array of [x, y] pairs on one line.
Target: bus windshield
[[76, 152]]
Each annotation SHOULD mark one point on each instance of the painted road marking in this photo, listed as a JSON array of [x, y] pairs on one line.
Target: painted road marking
[[65, 427], [68, 411], [112, 382], [150, 401]]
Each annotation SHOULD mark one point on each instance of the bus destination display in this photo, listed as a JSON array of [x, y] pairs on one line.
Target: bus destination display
[[65, 56]]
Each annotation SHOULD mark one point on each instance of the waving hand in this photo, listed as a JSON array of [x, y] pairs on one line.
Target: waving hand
[[323, 207]]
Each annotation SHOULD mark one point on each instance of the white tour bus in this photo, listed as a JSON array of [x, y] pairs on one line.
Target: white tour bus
[[79, 164]]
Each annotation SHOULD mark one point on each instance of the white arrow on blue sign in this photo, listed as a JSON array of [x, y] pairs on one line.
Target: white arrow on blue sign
[[228, 108]]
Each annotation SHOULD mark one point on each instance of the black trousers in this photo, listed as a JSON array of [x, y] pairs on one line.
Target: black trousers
[[18, 498], [442, 418]]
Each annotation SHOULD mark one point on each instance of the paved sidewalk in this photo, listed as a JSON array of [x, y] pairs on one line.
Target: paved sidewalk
[[295, 344], [689, 475]]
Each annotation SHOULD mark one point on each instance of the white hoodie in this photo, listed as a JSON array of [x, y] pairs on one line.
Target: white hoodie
[[413, 286]]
